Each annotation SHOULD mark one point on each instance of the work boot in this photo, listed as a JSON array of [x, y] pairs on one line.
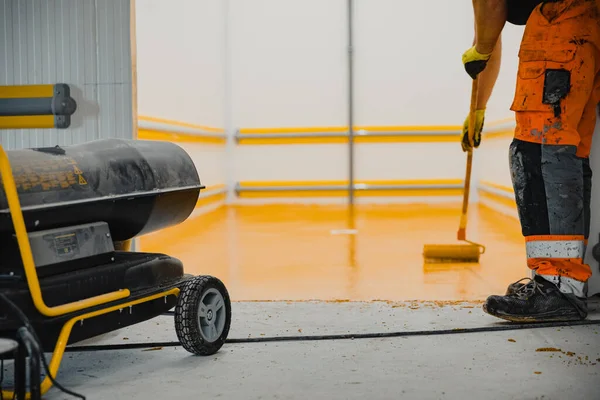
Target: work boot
[[514, 287], [536, 301]]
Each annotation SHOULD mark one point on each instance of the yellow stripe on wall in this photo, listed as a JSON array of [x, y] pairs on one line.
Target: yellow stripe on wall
[[177, 137], [504, 188], [312, 129], [342, 129], [401, 136], [499, 129], [288, 135], [302, 188], [26, 91], [178, 132], [357, 139], [27, 122], [344, 193], [496, 198], [500, 134], [181, 124]]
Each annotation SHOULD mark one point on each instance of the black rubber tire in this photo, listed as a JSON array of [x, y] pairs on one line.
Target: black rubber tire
[[186, 315]]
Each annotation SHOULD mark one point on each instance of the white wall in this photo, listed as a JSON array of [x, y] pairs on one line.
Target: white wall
[[83, 43], [180, 60], [288, 62], [181, 79], [282, 64], [290, 69], [594, 283]]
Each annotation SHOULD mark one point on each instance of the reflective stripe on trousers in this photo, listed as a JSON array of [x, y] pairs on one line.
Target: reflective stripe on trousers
[[558, 255], [553, 246]]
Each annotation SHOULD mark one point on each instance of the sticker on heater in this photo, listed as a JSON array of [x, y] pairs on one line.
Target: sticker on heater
[[66, 244], [57, 174]]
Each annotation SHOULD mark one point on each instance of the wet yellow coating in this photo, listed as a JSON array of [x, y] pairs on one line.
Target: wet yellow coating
[[301, 252]]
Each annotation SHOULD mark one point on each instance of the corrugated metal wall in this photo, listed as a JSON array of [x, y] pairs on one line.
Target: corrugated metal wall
[[84, 43]]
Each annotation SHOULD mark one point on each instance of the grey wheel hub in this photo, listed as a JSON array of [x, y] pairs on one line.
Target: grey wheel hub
[[212, 315]]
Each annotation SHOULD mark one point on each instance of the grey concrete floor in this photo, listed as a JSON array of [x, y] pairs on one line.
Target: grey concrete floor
[[491, 365]]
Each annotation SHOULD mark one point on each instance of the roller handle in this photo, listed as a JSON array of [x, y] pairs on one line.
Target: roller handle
[[462, 230]]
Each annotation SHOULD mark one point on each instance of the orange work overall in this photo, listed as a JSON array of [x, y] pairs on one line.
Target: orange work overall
[[555, 103]]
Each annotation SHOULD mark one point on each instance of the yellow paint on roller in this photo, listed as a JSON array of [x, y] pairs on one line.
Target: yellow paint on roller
[[26, 91], [435, 253], [27, 122]]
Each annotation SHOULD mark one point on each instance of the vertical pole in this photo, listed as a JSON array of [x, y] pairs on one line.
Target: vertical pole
[[228, 103], [133, 54], [135, 245], [350, 104]]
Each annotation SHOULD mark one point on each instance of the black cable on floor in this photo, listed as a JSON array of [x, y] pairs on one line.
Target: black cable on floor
[[348, 336], [19, 314]]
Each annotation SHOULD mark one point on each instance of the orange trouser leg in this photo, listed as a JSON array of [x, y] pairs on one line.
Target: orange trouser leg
[[555, 104]]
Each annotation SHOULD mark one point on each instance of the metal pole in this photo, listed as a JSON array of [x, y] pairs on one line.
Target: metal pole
[[228, 104], [350, 104]]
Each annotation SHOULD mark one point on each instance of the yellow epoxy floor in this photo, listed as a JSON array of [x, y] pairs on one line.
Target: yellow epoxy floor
[[302, 252]]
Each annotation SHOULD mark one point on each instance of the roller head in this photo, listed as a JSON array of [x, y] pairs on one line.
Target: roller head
[[436, 253]]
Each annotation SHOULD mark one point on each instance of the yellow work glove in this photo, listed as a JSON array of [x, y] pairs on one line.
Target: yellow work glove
[[476, 141], [474, 62]]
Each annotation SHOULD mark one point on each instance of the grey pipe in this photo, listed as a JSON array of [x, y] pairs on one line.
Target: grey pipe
[[300, 135], [350, 103], [355, 187]]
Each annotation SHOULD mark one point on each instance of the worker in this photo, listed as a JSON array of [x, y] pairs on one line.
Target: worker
[[557, 92]]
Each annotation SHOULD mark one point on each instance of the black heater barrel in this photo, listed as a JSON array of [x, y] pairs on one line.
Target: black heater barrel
[[135, 186]]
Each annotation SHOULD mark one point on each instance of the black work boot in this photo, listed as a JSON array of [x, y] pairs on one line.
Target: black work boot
[[536, 301], [514, 287]]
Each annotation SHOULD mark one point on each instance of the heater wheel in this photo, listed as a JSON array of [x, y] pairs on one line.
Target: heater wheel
[[203, 315]]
